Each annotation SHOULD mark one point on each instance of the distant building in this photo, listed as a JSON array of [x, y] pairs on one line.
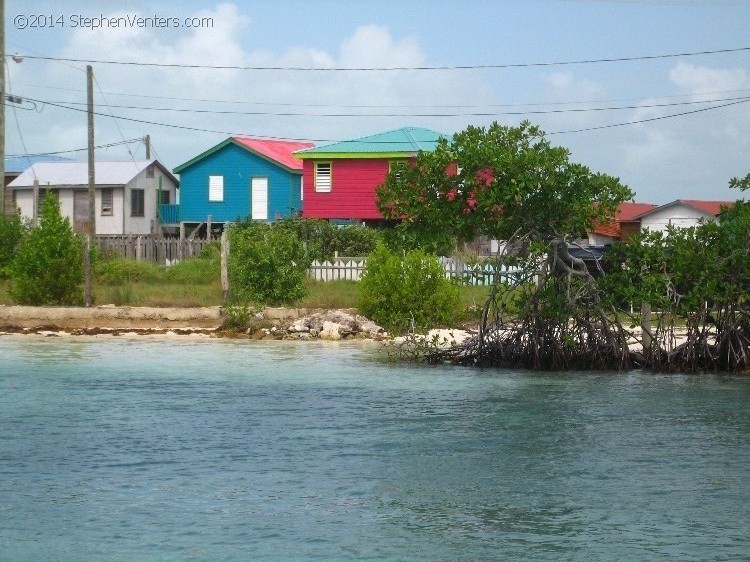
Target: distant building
[[624, 225], [239, 178], [14, 166], [127, 194], [682, 213], [340, 178]]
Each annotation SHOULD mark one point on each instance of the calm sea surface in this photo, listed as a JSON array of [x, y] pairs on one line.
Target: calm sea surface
[[214, 450]]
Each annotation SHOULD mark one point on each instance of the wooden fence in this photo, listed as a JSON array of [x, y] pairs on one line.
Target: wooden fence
[[465, 274], [164, 251]]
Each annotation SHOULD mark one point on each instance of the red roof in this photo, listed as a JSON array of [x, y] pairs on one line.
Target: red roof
[[276, 150], [626, 211], [709, 207]]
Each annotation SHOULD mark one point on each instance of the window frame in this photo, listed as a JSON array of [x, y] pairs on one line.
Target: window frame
[[214, 199], [318, 189], [134, 204], [108, 212]]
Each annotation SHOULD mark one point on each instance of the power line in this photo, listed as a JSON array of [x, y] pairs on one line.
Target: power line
[[234, 133], [108, 145], [386, 106], [649, 119], [393, 68], [462, 114]]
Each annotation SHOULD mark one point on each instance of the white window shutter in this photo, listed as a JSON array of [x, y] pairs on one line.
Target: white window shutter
[[216, 188]]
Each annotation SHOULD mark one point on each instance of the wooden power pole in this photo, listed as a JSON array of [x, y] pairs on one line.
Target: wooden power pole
[[92, 182], [2, 107]]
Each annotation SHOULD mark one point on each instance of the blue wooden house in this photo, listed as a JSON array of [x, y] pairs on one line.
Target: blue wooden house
[[236, 179]]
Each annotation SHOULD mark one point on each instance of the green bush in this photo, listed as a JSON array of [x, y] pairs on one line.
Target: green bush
[[48, 266], [355, 241], [121, 271], [11, 232], [322, 240], [267, 264], [400, 291]]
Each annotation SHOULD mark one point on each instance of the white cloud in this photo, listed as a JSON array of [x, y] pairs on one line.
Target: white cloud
[[366, 46]]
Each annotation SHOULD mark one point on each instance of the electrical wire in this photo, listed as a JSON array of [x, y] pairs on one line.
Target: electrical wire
[[394, 68], [610, 126], [386, 106], [234, 133], [108, 145], [463, 114]]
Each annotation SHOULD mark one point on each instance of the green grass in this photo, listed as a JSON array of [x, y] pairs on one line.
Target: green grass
[[196, 282], [333, 294]]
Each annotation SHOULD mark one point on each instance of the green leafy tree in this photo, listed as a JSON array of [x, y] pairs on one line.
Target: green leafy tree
[[267, 264], [400, 291], [698, 280], [512, 184], [48, 266], [498, 181], [11, 232]]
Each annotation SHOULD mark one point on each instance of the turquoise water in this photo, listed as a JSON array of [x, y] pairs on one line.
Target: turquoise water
[[217, 450]]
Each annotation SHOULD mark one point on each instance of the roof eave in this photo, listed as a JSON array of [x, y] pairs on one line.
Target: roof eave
[[231, 140], [354, 155]]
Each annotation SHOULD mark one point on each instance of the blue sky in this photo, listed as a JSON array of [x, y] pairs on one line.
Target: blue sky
[[691, 156]]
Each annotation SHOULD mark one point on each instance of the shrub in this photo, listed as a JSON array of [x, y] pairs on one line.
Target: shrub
[[355, 240], [11, 232], [396, 291], [322, 240], [267, 264], [238, 317], [48, 266]]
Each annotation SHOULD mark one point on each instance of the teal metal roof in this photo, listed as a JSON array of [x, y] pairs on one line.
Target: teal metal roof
[[407, 140]]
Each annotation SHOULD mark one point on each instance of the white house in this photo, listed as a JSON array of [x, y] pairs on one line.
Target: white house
[[127, 194], [682, 213]]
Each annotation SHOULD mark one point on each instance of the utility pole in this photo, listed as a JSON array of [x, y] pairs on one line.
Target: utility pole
[[2, 107], [148, 145], [92, 182]]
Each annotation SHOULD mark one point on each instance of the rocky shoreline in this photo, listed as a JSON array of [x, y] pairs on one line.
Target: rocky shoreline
[[109, 320]]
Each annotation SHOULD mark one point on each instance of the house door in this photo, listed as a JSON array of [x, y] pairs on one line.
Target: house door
[[259, 199], [81, 211]]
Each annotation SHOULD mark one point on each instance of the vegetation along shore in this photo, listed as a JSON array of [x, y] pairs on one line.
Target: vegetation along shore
[[663, 301]]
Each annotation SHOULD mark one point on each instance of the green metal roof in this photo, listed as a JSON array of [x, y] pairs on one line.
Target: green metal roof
[[400, 142]]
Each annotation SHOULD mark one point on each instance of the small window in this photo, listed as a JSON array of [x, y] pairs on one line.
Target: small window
[[166, 198], [301, 188], [323, 176], [136, 203], [397, 166], [150, 171], [107, 202], [216, 188]]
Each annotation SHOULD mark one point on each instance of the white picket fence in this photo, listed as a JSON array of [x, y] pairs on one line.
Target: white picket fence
[[340, 268], [466, 274]]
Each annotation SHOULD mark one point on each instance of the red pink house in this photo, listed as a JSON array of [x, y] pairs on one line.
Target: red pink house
[[339, 179]]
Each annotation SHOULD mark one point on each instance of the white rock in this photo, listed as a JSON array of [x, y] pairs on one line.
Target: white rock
[[331, 331], [299, 326]]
